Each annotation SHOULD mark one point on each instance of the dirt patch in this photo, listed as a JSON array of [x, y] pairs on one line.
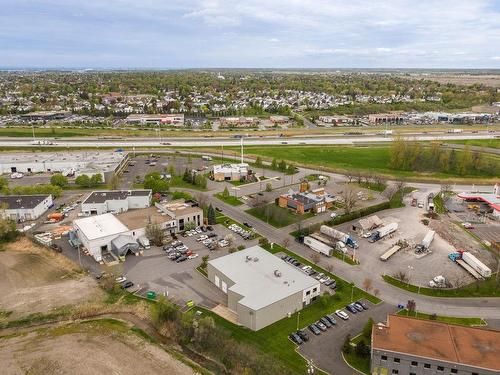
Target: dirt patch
[[86, 348], [34, 279]]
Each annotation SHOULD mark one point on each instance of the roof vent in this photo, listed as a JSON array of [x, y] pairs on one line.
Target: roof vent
[[277, 273], [255, 259], [248, 258]]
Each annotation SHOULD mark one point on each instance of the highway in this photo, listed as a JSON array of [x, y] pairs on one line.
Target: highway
[[226, 141]]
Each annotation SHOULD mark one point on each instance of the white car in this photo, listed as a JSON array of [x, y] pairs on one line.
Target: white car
[[324, 280], [202, 238], [342, 314], [366, 235], [223, 243], [193, 256], [333, 215], [121, 279]]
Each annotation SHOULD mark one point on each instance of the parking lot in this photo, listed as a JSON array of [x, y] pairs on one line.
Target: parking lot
[[181, 282], [325, 349]]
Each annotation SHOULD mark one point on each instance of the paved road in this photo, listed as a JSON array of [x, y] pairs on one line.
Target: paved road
[[207, 142]]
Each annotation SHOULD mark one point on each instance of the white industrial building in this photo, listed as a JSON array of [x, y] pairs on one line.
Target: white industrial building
[[230, 172], [261, 289], [24, 207], [174, 119], [115, 201], [89, 162]]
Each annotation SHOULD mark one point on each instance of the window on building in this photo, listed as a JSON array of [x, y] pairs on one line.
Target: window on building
[[315, 289], [454, 371], [394, 371], [384, 358], [397, 360], [414, 363], [440, 368], [474, 373], [308, 292], [412, 373], [427, 365]]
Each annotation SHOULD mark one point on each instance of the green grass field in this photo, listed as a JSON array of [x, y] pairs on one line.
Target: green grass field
[[372, 159], [445, 319], [490, 143], [359, 363], [284, 218], [486, 288], [233, 201]]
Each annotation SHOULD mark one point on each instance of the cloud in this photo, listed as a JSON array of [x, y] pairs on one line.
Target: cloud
[[250, 33]]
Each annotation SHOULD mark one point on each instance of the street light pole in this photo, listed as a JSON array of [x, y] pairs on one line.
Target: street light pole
[[298, 318], [410, 268]]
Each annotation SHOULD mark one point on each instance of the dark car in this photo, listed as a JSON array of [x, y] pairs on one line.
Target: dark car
[[260, 193], [174, 256], [296, 338], [314, 329], [326, 322], [333, 285], [331, 319], [126, 284], [303, 335], [351, 309], [181, 259], [363, 305], [209, 228], [218, 209], [248, 225], [358, 307]]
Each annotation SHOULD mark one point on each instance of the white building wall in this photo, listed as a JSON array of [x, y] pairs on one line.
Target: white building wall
[[23, 214], [117, 206], [139, 201]]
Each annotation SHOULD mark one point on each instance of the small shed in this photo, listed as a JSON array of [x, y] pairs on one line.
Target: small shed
[[122, 244], [369, 223]]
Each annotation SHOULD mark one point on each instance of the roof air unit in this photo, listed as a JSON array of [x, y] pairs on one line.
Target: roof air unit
[[277, 273]]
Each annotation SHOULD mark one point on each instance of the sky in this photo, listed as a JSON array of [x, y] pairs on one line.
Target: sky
[[250, 34]]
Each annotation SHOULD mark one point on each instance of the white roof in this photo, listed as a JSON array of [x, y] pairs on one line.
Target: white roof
[[231, 168], [100, 226], [256, 281]]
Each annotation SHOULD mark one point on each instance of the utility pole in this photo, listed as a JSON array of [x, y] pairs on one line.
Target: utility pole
[[298, 318], [241, 142]]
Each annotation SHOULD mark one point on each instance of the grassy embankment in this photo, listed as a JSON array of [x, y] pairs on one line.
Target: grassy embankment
[[444, 319]]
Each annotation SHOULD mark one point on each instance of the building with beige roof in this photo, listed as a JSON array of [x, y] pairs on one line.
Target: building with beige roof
[[409, 346]]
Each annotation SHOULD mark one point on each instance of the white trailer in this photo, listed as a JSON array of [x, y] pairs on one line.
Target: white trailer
[[339, 236], [426, 242], [476, 264], [206, 158], [318, 246], [384, 231]]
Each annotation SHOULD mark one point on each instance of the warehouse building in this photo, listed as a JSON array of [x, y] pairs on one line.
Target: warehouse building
[[21, 208], [158, 119], [409, 346], [230, 172], [261, 289], [45, 115], [115, 201], [78, 163]]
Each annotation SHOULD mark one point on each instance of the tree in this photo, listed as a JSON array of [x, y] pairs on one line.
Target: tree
[[367, 284], [376, 292], [211, 216], [155, 234], [362, 350], [114, 183], [204, 261], [8, 231], [411, 306], [315, 257], [349, 198], [258, 162], [286, 242], [274, 164], [4, 184], [367, 329], [346, 347], [225, 193], [95, 180], [83, 181], [269, 187], [154, 182], [465, 161], [59, 180]]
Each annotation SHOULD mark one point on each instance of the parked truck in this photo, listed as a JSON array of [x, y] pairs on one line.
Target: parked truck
[[318, 246], [471, 264], [426, 242], [340, 236], [144, 242], [384, 231]]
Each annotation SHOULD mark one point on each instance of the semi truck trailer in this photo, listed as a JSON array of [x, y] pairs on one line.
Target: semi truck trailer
[[318, 246], [471, 264], [339, 236], [426, 242], [384, 231]]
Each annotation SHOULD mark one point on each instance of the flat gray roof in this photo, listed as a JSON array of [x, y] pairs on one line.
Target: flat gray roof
[[102, 196], [15, 202], [253, 272]]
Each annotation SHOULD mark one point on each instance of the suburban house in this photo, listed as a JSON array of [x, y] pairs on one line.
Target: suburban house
[[261, 289], [21, 208], [115, 201]]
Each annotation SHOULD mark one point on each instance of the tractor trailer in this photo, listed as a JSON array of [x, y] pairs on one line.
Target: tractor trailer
[[339, 236], [318, 246], [384, 231], [473, 265], [426, 242]]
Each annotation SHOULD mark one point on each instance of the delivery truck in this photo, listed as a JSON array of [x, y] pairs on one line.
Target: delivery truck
[[384, 231], [338, 235], [318, 246]]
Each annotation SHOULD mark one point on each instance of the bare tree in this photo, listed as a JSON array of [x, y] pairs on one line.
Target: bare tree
[[329, 267], [359, 177], [286, 243], [349, 177], [411, 306], [202, 200], [350, 199], [114, 183], [315, 257], [376, 292], [367, 284], [401, 276], [390, 191], [400, 184], [155, 234]]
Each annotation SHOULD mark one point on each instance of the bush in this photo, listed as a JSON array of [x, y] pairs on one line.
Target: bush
[[59, 180]]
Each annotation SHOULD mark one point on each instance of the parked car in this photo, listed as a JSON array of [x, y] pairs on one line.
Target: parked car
[[332, 319], [121, 279], [181, 259], [342, 314], [326, 322], [352, 308], [363, 305], [248, 225], [321, 326], [358, 306], [193, 256], [126, 284], [303, 335], [314, 329], [295, 338], [333, 285]]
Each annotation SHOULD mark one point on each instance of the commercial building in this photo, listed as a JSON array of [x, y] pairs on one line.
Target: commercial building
[[277, 119], [115, 201], [492, 199], [184, 214], [24, 207], [409, 346], [316, 200], [261, 289], [88, 162], [238, 121], [45, 115], [382, 118], [159, 119], [335, 120], [230, 172]]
